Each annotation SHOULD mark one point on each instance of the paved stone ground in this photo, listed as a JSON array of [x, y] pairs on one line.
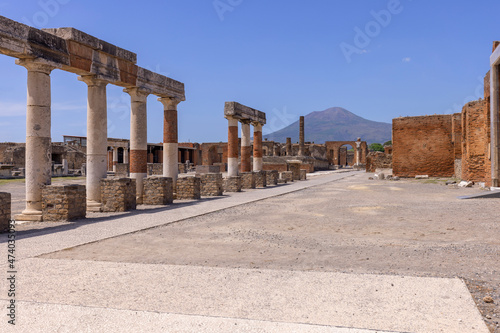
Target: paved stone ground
[[371, 255]]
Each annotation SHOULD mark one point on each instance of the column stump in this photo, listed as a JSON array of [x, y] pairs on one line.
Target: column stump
[[272, 177], [286, 176], [232, 184], [5, 211], [294, 167], [211, 184], [247, 180], [64, 203], [189, 188], [158, 191], [118, 195]]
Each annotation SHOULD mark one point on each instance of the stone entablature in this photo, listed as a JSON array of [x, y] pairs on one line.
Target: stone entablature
[[232, 184], [63, 203], [118, 194], [158, 191], [211, 184], [242, 112], [189, 188], [5, 211]]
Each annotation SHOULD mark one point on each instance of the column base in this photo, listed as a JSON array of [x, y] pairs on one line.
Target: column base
[[94, 206], [29, 216]]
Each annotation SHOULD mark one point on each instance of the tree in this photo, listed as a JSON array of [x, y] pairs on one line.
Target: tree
[[376, 147], [388, 143]]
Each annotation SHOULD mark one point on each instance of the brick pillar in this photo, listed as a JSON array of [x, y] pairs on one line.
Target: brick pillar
[[257, 147], [170, 138], [97, 139], [38, 141], [186, 155], [232, 153], [245, 146], [289, 151], [138, 139], [301, 137]]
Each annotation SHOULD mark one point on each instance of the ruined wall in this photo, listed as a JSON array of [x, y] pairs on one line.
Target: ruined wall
[[378, 160], [423, 146]]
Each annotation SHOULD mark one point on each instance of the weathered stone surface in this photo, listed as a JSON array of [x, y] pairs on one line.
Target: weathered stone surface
[[272, 177], [294, 167], [122, 170], [207, 169], [155, 169], [232, 184], [189, 188], [303, 174], [118, 194], [260, 179], [5, 211], [211, 184], [286, 176], [239, 111], [247, 180], [63, 202], [158, 191]]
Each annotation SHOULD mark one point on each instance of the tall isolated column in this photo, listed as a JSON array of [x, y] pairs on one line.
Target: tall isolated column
[[257, 147], [38, 141], [170, 137], [97, 139], [245, 146], [232, 147], [138, 139], [301, 137], [495, 125]]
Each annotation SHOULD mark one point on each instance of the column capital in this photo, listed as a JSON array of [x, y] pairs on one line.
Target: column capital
[[257, 126], [92, 80], [36, 65], [169, 103], [245, 121], [137, 94]]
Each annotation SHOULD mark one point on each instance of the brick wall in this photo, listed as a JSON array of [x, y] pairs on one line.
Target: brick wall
[[189, 188], [211, 184], [232, 184], [423, 146], [378, 160]]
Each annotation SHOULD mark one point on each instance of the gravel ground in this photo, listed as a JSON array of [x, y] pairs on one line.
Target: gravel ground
[[356, 225]]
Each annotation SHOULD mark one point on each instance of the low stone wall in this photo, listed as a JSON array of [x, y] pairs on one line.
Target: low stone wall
[[201, 169], [118, 194], [64, 202], [287, 176], [158, 191], [155, 169], [294, 167], [232, 184], [211, 184], [122, 170], [5, 211], [260, 179], [189, 188], [247, 180], [303, 174], [272, 177]]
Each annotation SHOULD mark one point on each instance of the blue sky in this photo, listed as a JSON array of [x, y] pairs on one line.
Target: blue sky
[[285, 57]]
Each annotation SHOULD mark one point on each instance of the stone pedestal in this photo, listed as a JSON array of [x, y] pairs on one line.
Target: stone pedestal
[[294, 167], [158, 191], [189, 188], [303, 174], [260, 179], [272, 177], [232, 184], [247, 180], [5, 211], [118, 194], [211, 184], [287, 176], [64, 202]]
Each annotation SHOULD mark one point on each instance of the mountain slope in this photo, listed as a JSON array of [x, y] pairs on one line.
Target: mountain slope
[[335, 124]]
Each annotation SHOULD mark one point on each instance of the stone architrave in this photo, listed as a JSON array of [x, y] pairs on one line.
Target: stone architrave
[[170, 138], [38, 139]]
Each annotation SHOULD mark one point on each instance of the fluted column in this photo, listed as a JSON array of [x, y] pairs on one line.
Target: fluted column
[[38, 141], [232, 147], [245, 146], [257, 147], [138, 139], [170, 137], [97, 139]]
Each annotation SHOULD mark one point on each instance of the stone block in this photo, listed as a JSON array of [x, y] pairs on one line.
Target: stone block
[[189, 188], [5, 211], [247, 180], [294, 167], [303, 174], [260, 179], [122, 170], [63, 202], [158, 191], [232, 184], [211, 184], [287, 176], [118, 194], [272, 177]]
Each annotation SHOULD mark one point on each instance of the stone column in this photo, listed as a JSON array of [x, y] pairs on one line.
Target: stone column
[[115, 158], [289, 151], [245, 146], [232, 147], [301, 137], [138, 139], [38, 141], [170, 143], [65, 167], [495, 125], [358, 152], [257, 147], [125, 156], [97, 139]]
